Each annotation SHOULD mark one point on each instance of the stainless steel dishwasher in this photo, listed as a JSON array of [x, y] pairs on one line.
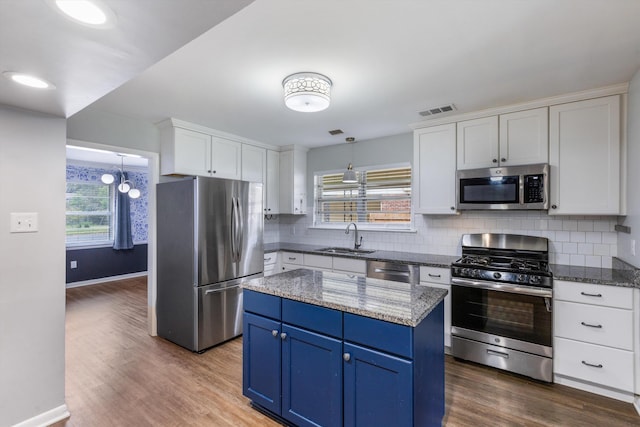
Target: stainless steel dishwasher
[[389, 270]]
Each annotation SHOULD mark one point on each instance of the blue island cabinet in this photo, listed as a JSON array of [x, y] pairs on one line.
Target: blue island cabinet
[[312, 366]]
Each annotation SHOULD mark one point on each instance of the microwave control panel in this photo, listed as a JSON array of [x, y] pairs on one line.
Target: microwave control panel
[[534, 188]]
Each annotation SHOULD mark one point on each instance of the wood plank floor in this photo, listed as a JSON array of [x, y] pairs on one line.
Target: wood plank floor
[[117, 375]]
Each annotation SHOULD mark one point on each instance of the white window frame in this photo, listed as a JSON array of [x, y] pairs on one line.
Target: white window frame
[[392, 227], [94, 243]]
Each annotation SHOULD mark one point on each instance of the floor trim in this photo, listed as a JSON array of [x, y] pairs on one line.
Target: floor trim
[[105, 279], [46, 418]]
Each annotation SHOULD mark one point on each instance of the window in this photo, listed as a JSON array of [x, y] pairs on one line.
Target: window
[[380, 199], [89, 213]]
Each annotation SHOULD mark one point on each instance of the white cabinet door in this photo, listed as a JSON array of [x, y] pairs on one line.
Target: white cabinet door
[[349, 265], [434, 169], [191, 152], [254, 163], [584, 157], [272, 185], [524, 137], [226, 158], [477, 142], [439, 278], [293, 182]]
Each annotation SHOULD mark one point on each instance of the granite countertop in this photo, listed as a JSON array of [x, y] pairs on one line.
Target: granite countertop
[[432, 260], [622, 274], [395, 302]]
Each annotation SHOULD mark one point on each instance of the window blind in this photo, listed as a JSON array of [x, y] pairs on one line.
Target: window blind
[[89, 208]]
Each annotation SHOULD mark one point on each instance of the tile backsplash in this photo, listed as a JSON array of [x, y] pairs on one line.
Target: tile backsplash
[[574, 240]]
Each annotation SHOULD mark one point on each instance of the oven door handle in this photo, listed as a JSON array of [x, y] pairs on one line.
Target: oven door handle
[[503, 287]]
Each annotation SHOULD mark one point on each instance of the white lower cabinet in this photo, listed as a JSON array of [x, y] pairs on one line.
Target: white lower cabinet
[[270, 264], [317, 262], [291, 261], [349, 265], [440, 278], [595, 338]]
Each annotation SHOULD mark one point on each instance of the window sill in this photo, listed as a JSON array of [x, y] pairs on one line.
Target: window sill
[[72, 246], [365, 228]]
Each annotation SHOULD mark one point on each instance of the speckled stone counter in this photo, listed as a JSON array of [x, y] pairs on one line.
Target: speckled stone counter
[[394, 302], [622, 274], [432, 260]]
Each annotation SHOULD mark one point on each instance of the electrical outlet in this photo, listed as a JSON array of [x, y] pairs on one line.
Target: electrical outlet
[[74, 264], [24, 222]]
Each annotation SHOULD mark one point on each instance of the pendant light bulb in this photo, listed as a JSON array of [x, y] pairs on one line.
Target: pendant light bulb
[[124, 187], [349, 176], [134, 193], [107, 178]]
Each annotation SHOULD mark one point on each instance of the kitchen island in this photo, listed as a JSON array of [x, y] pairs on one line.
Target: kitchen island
[[334, 349]]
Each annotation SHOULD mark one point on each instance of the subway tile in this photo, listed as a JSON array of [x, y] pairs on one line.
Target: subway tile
[[610, 237], [555, 224], [578, 236], [602, 249], [585, 225], [607, 262], [563, 259], [602, 225], [569, 248], [563, 236], [585, 248], [570, 225], [593, 237], [578, 260], [593, 261]]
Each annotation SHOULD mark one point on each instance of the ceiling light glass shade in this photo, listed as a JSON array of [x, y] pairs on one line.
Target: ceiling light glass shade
[[349, 176], [124, 187], [107, 178], [134, 193], [82, 10], [28, 80], [307, 92]]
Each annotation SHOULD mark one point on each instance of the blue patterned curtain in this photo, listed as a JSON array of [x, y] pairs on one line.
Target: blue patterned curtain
[[122, 238]]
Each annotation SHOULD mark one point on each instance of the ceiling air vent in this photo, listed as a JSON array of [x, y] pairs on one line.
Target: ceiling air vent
[[335, 132], [438, 110]]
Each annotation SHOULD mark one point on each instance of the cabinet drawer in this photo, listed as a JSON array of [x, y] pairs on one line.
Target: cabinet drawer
[[435, 275], [608, 326], [378, 334], [588, 293], [270, 258], [263, 304], [609, 366], [292, 258], [312, 317], [358, 266], [318, 261]]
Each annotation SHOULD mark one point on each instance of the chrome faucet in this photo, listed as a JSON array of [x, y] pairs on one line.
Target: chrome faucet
[[356, 243]]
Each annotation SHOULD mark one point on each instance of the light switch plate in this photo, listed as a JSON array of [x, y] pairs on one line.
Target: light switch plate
[[24, 222]]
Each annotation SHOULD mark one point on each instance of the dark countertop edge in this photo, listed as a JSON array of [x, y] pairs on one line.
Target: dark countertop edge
[[360, 312], [622, 274]]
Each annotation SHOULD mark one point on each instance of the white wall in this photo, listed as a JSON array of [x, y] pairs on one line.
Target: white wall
[[32, 274], [575, 240], [633, 177]]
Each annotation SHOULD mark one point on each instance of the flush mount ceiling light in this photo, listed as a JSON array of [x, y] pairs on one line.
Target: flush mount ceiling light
[[28, 80], [307, 92], [349, 176], [93, 13]]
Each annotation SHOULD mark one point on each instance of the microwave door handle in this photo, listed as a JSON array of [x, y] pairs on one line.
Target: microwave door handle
[[521, 189]]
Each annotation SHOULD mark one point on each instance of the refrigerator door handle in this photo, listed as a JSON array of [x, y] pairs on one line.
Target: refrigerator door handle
[[233, 227], [241, 220]]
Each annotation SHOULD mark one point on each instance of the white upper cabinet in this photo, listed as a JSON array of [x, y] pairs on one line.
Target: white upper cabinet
[[524, 137], [293, 181], [188, 152], [584, 157], [478, 143], [434, 169], [519, 138], [272, 183], [254, 163]]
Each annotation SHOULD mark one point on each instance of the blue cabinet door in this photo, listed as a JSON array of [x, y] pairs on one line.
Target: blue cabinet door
[[378, 389], [262, 354], [311, 378]]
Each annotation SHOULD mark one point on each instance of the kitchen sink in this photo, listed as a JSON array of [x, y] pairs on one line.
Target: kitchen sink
[[344, 251]]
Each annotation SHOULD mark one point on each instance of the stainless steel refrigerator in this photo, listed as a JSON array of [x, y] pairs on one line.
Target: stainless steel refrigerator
[[209, 241]]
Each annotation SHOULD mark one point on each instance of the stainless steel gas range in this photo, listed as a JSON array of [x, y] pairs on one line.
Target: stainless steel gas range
[[501, 302]]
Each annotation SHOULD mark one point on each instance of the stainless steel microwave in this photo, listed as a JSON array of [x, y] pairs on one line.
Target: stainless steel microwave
[[512, 187]]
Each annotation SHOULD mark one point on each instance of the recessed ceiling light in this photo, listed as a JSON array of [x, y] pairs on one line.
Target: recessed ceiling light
[[93, 13], [28, 80]]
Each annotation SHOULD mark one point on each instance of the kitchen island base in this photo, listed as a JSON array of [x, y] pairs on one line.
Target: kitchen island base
[[309, 365]]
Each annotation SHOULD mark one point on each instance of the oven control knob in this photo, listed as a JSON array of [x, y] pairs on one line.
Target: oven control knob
[[534, 279], [522, 278], [497, 275]]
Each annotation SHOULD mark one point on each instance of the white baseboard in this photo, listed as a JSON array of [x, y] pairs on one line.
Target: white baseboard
[[636, 404], [594, 388], [105, 279], [46, 418]]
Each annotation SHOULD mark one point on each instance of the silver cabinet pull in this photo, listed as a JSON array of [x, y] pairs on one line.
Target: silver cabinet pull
[[292, 258], [346, 357], [599, 365], [435, 275], [267, 259], [498, 353], [274, 332], [283, 335], [503, 159], [591, 326], [591, 295]]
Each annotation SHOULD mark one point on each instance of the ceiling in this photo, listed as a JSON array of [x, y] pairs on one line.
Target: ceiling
[[388, 60]]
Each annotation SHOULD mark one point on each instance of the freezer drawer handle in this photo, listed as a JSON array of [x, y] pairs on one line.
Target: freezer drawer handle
[[591, 295], [599, 365], [497, 353], [591, 326], [214, 291]]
